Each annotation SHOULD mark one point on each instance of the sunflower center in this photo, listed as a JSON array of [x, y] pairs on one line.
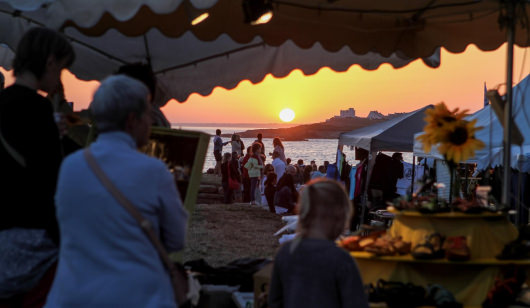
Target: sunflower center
[[458, 136]]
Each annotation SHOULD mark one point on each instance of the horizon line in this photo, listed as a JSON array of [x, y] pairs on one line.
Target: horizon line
[[234, 123]]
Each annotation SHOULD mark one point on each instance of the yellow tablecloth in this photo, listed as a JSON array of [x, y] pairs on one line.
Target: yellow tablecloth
[[468, 281], [486, 235]]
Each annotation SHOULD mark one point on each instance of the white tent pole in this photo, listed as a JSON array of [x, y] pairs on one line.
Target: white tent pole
[[510, 34], [413, 173]]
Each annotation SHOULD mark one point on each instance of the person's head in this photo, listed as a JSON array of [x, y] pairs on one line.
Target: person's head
[[324, 209], [2, 81], [314, 167], [300, 162], [288, 161], [322, 169], [397, 156], [43, 53], [268, 168], [277, 142], [290, 169], [249, 151], [275, 155], [326, 163], [313, 163], [260, 136], [256, 148], [218, 132], [226, 157], [271, 179], [234, 137], [120, 104], [296, 168], [142, 72]]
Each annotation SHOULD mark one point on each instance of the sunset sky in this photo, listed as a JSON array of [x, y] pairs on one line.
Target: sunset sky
[[459, 82]]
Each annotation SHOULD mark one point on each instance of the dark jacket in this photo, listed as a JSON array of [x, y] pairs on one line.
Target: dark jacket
[[27, 125]]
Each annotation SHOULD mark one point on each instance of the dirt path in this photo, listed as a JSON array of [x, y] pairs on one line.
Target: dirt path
[[220, 233]]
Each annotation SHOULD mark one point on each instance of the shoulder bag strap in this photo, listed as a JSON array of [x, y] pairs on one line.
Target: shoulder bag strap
[[117, 194], [12, 151]]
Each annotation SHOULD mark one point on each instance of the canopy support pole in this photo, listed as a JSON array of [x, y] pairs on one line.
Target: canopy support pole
[[413, 174], [510, 34]]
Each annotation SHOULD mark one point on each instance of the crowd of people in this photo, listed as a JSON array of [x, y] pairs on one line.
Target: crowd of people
[[89, 226], [274, 184]]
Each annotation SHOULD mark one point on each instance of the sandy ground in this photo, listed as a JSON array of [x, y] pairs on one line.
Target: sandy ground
[[220, 233]]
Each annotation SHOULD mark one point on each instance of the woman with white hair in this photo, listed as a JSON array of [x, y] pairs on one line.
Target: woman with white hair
[[105, 259], [237, 145]]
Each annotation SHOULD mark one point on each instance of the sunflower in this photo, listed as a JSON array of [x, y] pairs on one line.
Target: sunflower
[[438, 119], [458, 142]]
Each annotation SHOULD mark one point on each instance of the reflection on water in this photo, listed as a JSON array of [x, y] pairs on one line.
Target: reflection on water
[[318, 150]]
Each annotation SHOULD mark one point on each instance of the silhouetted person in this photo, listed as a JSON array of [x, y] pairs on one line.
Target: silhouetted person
[[30, 155], [218, 150], [144, 73], [262, 151]]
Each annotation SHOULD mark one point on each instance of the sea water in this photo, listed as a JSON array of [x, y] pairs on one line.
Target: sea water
[[319, 150]]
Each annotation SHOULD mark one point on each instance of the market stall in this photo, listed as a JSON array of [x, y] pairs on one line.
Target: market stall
[[395, 135], [469, 281]]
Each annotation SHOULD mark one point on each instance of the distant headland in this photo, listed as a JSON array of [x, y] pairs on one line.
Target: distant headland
[[329, 129]]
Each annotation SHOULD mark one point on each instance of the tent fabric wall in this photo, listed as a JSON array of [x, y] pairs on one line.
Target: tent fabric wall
[[492, 132], [393, 135]]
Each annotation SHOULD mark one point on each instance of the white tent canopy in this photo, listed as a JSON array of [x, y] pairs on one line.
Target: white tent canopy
[[492, 132], [185, 64], [393, 135], [414, 27]]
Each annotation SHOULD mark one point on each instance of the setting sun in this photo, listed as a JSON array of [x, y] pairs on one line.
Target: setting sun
[[287, 115]]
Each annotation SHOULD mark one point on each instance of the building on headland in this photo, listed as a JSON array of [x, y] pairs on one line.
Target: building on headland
[[344, 114], [348, 113], [375, 115]]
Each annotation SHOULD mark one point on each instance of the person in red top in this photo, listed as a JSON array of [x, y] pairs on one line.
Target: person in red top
[[245, 177]]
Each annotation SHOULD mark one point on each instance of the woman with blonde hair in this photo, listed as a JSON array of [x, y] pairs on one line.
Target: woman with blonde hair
[[311, 270], [278, 147]]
